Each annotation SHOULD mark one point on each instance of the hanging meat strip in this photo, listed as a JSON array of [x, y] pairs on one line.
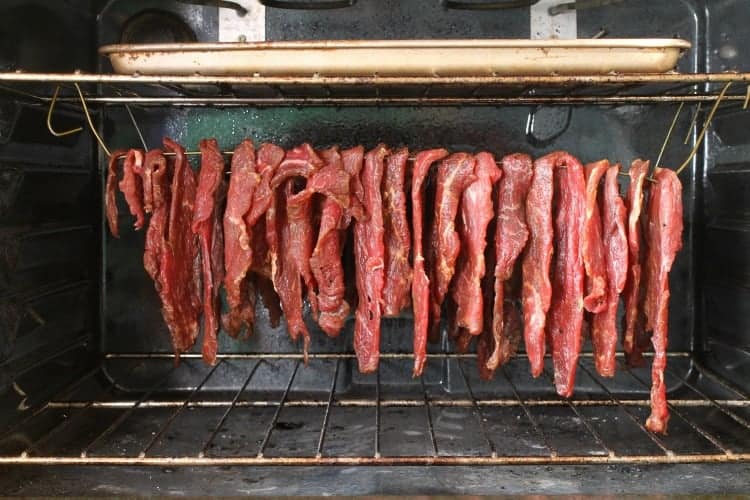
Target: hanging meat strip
[[537, 289], [180, 264], [511, 235], [566, 308], [289, 229], [511, 334], [476, 213], [454, 175], [592, 245], [156, 234], [207, 225], [397, 235], [110, 203], [369, 255], [664, 240], [604, 327], [633, 321], [420, 286], [326, 261], [238, 251], [132, 187]]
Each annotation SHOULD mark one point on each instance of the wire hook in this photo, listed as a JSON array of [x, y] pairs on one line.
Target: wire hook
[[90, 121], [49, 118]]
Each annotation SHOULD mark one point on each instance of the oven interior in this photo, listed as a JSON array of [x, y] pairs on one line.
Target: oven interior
[[87, 376]]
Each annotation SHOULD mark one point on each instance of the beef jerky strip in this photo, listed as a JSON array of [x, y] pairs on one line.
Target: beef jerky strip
[[537, 258], [132, 187], [333, 180], [603, 326], [420, 286], [238, 251], [206, 224], [397, 235], [511, 235], [476, 213], [511, 334], [454, 175], [289, 228], [110, 202], [566, 307], [664, 240], [369, 255], [179, 264], [156, 234], [592, 245], [633, 321]]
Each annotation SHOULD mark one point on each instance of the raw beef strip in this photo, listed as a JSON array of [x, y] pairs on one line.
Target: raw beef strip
[[566, 308], [180, 262], [110, 203], [537, 258], [476, 213], [603, 327], [156, 232], [592, 245], [131, 185], [369, 255], [289, 230], [634, 317], [420, 286], [511, 234], [238, 251], [664, 240], [326, 261], [207, 225], [511, 335], [454, 175], [397, 235]]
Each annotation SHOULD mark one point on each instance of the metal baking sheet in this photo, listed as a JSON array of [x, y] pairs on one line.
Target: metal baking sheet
[[401, 57]]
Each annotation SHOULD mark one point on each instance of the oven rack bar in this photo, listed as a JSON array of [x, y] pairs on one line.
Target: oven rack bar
[[584, 407]]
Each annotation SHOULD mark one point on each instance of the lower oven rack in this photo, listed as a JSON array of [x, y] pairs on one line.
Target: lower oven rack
[[381, 425]]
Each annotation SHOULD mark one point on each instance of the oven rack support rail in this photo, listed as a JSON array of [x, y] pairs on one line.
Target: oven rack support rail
[[142, 90], [722, 443]]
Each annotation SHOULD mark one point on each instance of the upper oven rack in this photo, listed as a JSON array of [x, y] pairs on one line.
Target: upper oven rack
[[197, 90]]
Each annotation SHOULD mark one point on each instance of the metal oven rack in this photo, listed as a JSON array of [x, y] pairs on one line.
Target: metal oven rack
[[92, 421]]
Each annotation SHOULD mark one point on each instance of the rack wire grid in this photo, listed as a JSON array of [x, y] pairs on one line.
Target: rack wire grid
[[94, 420]]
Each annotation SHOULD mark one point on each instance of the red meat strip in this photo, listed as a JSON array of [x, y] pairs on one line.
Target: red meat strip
[[180, 262], [291, 240], [603, 326], [511, 235], [454, 175], [537, 289], [156, 235], [326, 261], [397, 235], [592, 245], [511, 335], [664, 240], [207, 225], [566, 307], [634, 316], [132, 187], [238, 251], [420, 286], [369, 255], [476, 213], [110, 203]]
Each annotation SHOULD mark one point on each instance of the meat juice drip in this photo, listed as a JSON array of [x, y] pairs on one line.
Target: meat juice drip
[[206, 224], [592, 245], [537, 258], [398, 272], [604, 324], [566, 307], [511, 234], [420, 286], [369, 255], [664, 240], [634, 338], [454, 175]]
